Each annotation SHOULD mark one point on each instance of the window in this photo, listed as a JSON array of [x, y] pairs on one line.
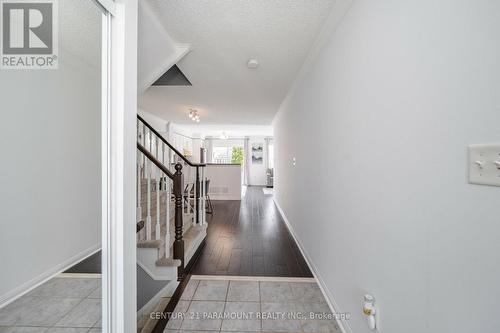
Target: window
[[221, 155], [227, 152]]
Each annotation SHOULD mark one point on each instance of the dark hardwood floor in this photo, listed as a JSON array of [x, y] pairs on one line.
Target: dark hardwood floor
[[249, 238]]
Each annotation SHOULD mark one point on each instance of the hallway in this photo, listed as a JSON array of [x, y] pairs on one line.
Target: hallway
[[249, 238]]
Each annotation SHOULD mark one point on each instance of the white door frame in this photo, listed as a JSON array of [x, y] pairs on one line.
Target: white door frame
[[119, 105], [108, 6]]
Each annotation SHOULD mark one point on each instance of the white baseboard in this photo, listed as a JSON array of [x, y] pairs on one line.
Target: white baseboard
[[26, 287], [80, 275], [344, 326], [226, 197], [253, 278], [150, 306]]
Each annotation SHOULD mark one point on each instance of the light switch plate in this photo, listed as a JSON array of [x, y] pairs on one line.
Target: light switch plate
[[484, 164]]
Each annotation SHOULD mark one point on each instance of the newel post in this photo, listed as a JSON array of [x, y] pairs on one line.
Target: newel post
[[178, 242]]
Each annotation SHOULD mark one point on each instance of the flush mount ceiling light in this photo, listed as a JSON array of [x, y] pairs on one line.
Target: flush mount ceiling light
[[252, 63], [194, 116], [224, 136]]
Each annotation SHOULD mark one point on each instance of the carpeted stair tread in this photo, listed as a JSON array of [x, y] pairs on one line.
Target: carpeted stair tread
[[151, 244], [168, 262]]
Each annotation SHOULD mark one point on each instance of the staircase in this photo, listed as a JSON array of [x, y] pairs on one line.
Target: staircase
[[170, 205]]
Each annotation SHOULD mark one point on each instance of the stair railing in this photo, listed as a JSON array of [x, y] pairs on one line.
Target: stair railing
[[158, 146], [157, 173]]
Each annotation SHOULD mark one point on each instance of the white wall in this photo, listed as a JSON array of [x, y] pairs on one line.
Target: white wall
[[257, 172], [156, 122], [197, 145], [50, 196], [379, 195], [225, 181], [231, 130], [156, 50]]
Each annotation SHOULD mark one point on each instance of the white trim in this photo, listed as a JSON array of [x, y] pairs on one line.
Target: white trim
[[106, 6], [166, 292], [344, 326], [252, 278], [26, 287], [180, 51], [119, 170], [105, 162], [225, 197], [79, 276]]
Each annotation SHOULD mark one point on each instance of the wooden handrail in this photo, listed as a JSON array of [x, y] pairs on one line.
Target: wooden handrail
[[169, 145], [155, 161], [139, 226]]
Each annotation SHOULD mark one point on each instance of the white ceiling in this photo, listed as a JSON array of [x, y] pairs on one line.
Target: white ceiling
[[224, 35]]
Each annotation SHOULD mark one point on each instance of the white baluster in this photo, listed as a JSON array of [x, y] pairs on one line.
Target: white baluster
[[200, 208], [148, 218], [150, 142], [167, 203], [139, 183], [143, 161], [195, 202], [157, 181], [204, 198], [158, 227], [190, 210], [203, 195], [167, 199], [183, 207], [163, 153], [203, 211], [169, 160]]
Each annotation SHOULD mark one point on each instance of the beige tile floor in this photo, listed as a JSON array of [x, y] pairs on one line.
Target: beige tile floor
[[73, 305], [208, 306], [61, 305]]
